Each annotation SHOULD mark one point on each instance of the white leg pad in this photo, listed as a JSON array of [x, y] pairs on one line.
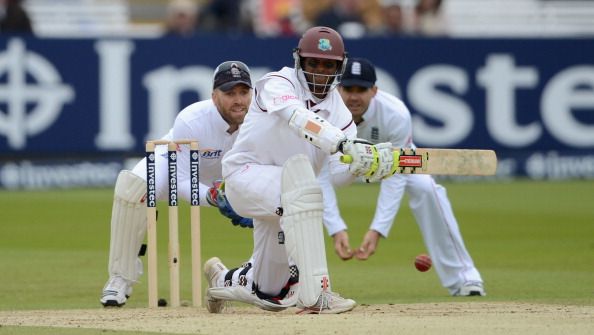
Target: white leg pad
[[303, 209], [128, 226]]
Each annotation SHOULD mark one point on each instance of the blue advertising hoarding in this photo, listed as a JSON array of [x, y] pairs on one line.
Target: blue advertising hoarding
[[532, 101]]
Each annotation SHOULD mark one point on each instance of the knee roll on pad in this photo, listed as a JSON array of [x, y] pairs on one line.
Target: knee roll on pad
[[303, 209], [128, 226]]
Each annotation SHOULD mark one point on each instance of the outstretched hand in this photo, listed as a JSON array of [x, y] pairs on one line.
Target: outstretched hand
[[368, 245], [216, 198], [341, 245]]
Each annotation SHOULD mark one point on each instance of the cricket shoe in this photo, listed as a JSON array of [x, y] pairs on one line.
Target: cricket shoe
[[213, 269], [218, 296], [471, 289], [115, 292], [328, 303]]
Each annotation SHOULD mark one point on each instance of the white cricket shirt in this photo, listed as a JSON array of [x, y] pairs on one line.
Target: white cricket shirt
[[387, 119], [203, 122], [265, 137]]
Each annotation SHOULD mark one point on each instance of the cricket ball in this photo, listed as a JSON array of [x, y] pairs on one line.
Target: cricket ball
[[422, 262]]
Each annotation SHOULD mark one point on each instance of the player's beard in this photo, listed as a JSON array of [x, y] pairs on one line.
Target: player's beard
[[234, 115]]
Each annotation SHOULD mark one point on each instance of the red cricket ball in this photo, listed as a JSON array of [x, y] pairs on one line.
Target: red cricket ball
[[423, 262]]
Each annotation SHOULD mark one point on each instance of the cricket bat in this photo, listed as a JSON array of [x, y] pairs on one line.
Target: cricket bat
[[461, 162]]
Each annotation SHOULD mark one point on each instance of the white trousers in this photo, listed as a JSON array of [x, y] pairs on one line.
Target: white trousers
[[441, 234], [255, 191]]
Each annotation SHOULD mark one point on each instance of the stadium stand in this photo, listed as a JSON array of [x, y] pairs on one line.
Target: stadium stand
[[519, 18], [86, 18], [465, 18]]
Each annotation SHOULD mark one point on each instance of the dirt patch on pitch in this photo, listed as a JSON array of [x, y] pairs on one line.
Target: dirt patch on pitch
[[435, 318]]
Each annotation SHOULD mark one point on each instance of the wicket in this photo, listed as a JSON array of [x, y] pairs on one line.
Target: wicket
[[151, 211]]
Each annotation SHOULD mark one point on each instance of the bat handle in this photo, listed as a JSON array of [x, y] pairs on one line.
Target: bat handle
[[348, 159], [396, 164]]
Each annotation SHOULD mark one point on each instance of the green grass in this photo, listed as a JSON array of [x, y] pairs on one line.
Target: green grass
[[531, 241]]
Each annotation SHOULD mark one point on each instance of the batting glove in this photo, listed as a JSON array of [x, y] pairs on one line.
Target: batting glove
[[385, 162], [216, 198], [373, 162]]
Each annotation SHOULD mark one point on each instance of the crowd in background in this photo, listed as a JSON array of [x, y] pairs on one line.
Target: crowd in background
[[270, 18], [352, 18], [14, 18]]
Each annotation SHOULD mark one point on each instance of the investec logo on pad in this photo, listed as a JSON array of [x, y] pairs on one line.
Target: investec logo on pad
[[47, 94]]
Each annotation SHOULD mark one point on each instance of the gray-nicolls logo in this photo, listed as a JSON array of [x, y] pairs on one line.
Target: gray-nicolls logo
[[47, 94]]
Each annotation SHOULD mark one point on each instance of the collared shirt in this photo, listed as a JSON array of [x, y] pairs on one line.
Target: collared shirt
[[387, 119], [202, 121], [265, 137]]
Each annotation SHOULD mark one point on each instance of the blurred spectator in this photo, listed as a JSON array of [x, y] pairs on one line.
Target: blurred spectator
[[181, 18], [277, 17], [14, 17], [345, 17], [428, 19], [352, 18], [312, 8], [226, 16], [393, 17], [372, 16]]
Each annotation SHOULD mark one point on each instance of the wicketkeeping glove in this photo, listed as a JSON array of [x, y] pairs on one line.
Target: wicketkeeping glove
[[373, 162], [216, 198]]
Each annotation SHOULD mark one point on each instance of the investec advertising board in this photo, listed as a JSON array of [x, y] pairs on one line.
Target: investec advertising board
[[71, 109]]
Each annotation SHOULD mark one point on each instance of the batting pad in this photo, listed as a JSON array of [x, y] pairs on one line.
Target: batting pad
[[303, 208], [128, 226]]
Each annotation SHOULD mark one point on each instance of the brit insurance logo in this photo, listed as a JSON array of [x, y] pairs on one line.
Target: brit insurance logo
[[31, 94], [211, 153]]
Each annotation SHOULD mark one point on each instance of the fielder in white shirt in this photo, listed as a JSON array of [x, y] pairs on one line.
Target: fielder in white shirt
[[214, 124], [381, 117], [296, 121]]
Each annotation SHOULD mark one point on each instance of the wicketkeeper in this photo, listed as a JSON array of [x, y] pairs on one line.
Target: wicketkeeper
[[214, 123]]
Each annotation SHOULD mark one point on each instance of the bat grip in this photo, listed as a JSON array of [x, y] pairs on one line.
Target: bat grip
[[348, 159]]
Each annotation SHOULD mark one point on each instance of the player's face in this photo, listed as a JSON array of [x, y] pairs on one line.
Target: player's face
[[320, 73], [321, 65], [357, 99], [233, 104]]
